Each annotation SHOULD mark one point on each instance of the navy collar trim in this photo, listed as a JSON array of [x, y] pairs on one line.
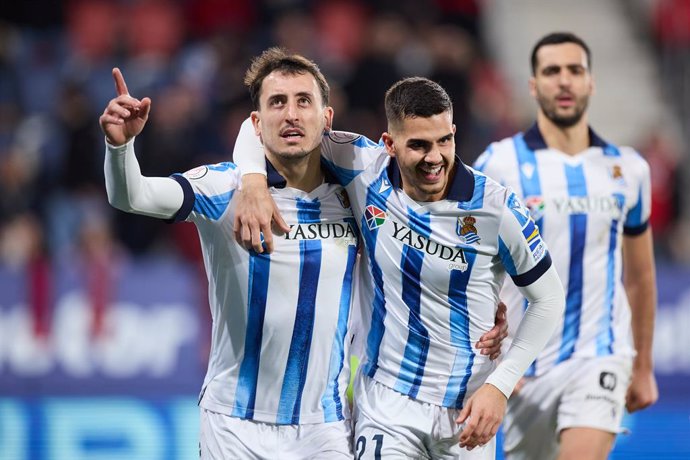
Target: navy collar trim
[[274, 179], [461, 188], [535, 141]]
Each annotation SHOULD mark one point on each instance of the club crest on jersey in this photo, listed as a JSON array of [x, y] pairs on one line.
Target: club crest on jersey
[[535, 204], [466, 229], [374, 216], [343, 198], [617, 174]]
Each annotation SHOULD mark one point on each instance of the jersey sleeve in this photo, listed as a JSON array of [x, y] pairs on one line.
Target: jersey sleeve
[[208, 191], [348, 154], [248, 153], [520, 246], [637, 218]]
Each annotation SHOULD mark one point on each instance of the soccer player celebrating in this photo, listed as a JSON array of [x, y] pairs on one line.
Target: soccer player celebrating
[[439, 239], [591, 201], [279, 363]]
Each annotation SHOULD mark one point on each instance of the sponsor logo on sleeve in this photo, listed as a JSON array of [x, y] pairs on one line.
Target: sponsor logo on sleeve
[[343, 137], [196, 173]]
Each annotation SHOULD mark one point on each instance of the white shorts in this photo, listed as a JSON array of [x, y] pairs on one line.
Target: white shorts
[[390, 425], [587, 392], [223, 437]]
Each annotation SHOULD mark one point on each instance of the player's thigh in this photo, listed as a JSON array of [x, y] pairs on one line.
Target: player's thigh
[[529, 427], [222, 437], [585, 444], [387, 424], [595, 397]]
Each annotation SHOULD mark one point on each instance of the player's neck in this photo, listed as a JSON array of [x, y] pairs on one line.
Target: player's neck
[[305, 174], [571, 140]]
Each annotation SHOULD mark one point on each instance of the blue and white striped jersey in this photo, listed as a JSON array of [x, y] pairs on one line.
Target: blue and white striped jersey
[[583, 204], [434, 270], [280, 321]]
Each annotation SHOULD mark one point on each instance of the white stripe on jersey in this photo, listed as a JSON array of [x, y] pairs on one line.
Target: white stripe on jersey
[[435, 271], [582, 204], [280, 321]]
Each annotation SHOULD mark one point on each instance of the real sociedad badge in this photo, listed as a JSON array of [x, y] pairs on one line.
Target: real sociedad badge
[[466, 230]]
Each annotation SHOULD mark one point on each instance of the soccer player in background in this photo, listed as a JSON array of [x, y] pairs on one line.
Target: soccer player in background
[[591, 201], [439, 238], [279, 363]]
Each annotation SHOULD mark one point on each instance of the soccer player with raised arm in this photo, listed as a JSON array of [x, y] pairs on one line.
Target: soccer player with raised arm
[[439, 239], [591, 201], [279, 362]]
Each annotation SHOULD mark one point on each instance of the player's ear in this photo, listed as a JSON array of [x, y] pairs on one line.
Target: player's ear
[[328, 115], [256, 121], [532, 82], [389, 143]]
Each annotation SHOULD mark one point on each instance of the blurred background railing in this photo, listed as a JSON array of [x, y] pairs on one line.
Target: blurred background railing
[[103, 318]]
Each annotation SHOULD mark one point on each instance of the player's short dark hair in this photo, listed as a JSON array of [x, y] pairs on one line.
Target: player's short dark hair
[[558, 38], [415, 97], [278, 59]]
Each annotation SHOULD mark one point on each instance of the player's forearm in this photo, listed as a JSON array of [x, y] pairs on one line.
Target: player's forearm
[[642, 297], [248, 153], [546, 306], [129, 191]]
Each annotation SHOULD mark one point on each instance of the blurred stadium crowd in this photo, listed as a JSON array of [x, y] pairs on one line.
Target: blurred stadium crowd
[[190, 56]]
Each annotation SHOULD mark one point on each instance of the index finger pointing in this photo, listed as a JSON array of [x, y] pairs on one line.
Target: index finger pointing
[[120, 85]]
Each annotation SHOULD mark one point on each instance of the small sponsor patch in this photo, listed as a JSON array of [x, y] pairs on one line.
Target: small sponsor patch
[[536, 205], [374, 216], [196, 173], [343, 137]]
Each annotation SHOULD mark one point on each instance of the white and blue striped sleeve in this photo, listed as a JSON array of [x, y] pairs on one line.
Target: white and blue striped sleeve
[[208, 191], [347, 154], [637, 218]]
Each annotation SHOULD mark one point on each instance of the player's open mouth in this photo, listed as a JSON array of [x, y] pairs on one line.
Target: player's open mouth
[[292, 133], [431, 172], [565, 100]]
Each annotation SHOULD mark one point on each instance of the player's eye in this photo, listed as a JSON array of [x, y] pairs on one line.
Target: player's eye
[[304, 101]]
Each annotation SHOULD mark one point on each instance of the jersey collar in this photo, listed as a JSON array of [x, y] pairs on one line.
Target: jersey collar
[[274, 179], [461, 188], [535, 141]]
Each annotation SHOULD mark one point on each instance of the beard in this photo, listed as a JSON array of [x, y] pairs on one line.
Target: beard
[[550, 109]]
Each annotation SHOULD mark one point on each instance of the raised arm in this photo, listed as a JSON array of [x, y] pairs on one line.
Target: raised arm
[[122, 120]]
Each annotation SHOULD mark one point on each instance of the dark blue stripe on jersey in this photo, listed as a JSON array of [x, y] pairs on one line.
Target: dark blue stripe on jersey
[[460, 335], [343, 175], [378, 314], [245, 394], [212, 206], [506, 257], [477, 201], [527, 163], [417, 347], [187, 201], [605, 334], [330, 401], [634, 218], [300, 346], [578, 233], [535, 272]]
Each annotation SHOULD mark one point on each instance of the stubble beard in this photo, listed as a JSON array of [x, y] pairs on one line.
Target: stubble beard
[[563, 121]]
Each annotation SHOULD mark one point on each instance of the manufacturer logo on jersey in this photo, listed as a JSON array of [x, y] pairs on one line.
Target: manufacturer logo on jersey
[[385, 185], [196, 173], [343, 198], [343, 137], [607, 380], [455, 256], [536, 205], [466, 229], [374, 216], [527, 169]]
